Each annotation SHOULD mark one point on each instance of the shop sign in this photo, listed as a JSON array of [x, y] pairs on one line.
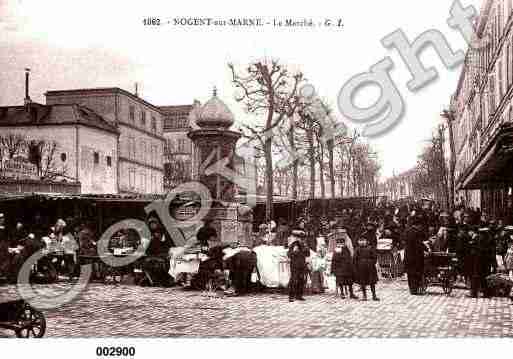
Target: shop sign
[[19, 168]]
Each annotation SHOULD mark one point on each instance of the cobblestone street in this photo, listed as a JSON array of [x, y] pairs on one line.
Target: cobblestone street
[[110, 310]]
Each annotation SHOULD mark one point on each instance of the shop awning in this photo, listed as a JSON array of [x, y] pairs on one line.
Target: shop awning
[[494, 165]]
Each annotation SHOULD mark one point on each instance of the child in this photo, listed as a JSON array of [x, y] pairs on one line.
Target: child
[[365, 265], [342, 267]]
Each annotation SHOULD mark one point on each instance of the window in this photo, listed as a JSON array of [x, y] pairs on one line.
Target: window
[[169, 147], [491, 94], [63, 157], [132, 113], [154, 155], [109, 161], [508, 67], [131, 178], [153, 125], [143, 118], [131, 148], [181, 145], [96, 158], [153, 184], [501, 82], [143, 151], [143, 182]]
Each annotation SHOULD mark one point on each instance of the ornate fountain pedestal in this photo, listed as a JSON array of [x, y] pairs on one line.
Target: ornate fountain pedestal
[[214, 148]]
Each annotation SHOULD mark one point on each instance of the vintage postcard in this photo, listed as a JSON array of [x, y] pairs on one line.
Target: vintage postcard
[[274, 170]]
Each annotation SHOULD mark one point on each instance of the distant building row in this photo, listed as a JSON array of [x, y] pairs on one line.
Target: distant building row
[[483, 115], [106, 139]]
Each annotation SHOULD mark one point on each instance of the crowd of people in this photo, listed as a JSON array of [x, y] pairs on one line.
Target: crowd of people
[[481, 246], [345, 246], [68, 238]]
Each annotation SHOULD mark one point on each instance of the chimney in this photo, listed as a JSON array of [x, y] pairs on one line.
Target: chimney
[[27, 97], [136, 89]]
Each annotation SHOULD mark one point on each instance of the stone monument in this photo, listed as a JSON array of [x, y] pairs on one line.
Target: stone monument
[[214, 144]]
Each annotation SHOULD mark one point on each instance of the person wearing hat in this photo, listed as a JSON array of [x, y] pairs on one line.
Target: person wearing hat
[[29, 245], [414, 238], [479, 261], [297, 253], [156, 264], [365, 260], [463, 247], [343, 269]]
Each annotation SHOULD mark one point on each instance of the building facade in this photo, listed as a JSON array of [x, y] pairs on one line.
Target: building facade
[[140, 146], [482, 115], [178, 148], [74, 145]]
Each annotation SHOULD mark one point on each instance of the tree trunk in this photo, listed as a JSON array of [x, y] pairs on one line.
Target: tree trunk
[[330, 146], [292, 144], [452, 166], [321, 169], [269, 179], [311, 156]]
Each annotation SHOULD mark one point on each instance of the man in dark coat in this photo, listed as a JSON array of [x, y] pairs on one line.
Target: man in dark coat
[[297, 253], [414, 237], [479, 261]]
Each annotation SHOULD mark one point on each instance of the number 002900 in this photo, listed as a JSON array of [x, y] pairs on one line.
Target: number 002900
[[115, 351]]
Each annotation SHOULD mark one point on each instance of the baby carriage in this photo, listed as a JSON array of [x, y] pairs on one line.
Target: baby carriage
[[439, 269], [388, 258], [24, 320]]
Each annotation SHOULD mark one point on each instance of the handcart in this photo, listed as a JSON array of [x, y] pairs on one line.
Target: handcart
[[23, 319]]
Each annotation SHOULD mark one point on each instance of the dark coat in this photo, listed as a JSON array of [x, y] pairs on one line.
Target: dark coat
[[365, 264], [298, 257], [159, 247], [414, 250], [342, 266]]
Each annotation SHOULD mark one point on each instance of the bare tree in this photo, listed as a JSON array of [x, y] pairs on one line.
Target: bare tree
[[267, 88], [42, 154], [13, 143], [449, 117]]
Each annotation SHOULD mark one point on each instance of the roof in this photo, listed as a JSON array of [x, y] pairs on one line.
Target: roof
[[46, 115], [169, 110], [93, 197], [115, 90], [215, 113]]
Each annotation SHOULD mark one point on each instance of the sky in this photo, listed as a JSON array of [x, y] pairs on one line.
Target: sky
[[84, 44]]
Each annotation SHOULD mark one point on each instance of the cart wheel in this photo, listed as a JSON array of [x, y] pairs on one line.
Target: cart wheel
[[37, 322]]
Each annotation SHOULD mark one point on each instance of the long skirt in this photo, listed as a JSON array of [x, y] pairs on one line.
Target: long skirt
[[317, 282]]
